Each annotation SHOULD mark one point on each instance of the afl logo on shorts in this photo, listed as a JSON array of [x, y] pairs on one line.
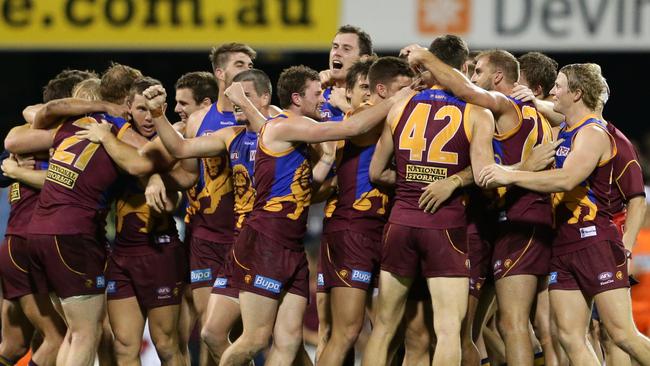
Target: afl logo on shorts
[[605, 276]]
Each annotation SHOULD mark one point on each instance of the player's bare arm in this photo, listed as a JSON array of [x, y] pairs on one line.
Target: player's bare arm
[[236, 94], [24, 140], [379, 171], [544, 107], [635, 208], [591, 146], [28, 176], [327, 154], [53, 111]]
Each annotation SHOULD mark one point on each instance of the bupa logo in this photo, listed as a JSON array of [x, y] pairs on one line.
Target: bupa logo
[[111, 288], [552, 278], [320, 280], [200, 275], [100, 281], [220, 282], [605, 276], [267, 284], [361, 276], [562, 151]]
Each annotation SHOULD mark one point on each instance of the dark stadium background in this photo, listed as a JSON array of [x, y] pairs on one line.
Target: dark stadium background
[[25, 73]]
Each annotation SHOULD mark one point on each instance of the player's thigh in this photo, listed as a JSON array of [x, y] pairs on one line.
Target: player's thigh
[[127, 320], [615, 310], [571, 311]]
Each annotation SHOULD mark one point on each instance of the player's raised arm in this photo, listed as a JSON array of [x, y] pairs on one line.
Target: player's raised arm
[[53, 111], [24, 140]]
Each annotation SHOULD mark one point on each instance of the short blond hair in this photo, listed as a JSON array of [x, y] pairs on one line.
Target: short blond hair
[[87, 89], [588, 79]]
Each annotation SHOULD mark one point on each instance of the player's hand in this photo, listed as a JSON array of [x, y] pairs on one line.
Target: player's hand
[[494, 175], [156, 194], [541, 157], [25, 161], [339, 100], [9, 167], [326, 78], [156, 98], [235, 92], [522, 93], [95, 132], [117, 110], [436, 193], [406, 51]]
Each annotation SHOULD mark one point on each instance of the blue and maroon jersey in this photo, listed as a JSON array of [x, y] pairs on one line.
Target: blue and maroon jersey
[[242, 149], [583, 215], [211, 201], [283, 184], [137, 226], [328, 111], [23, 200], [432, 138], [76, 193], [361, 206], [515, 203]]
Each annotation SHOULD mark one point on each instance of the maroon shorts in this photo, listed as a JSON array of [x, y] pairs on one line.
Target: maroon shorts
[[222, 283], [206, 260], [480, 259], [522, 249], [15, 268], [594, 269], [155, 279], [438, 253], [352, 260], [267, 268], [71, 265]]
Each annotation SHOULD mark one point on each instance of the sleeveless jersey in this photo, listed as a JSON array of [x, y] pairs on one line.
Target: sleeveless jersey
[[431, 138], [242, 149], [211, 201], [283, 184], [328, 111], [583, 214], [627, 174], [22, 199], [515, 203], [75, 196]]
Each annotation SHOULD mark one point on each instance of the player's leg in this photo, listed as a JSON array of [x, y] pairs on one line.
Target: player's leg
[[418, 333], [449, 301], [163, 327], [615, 311], [471, 355], [614, 355], [287, 333], [348, 306], [572, 313], [324, 321], [542, 324], [222, 314], [127, 321], [515, 295], [40, 312], [258, 317], [17, 332], [105, 352], [84, 315], [391, 304], [186, 322]]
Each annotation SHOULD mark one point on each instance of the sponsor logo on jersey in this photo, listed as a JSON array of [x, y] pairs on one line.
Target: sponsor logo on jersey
[[220, 282], [424, 174], [562, 151], [552, 278], [111, 288], [588, 231], [320, 280], [361, 276], [61, 176], [267, 284], [100, 282], [200, 275]]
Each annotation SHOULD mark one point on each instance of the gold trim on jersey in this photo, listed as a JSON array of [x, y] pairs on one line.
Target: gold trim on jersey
[[267, 151], [634, 161], [123, 130], [514, 130]]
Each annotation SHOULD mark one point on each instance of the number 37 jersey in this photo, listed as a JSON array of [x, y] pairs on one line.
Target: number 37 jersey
[[74, 197], [431, 137]]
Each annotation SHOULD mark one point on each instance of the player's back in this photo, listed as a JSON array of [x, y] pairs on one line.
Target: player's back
[[74, 198], [432, 138]]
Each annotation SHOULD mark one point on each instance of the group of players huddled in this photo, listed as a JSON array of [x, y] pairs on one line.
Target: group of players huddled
[[449, 179]]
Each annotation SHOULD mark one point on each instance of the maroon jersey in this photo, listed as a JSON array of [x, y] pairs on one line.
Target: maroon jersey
[[515, 203], [361, 206], [211, 201], [583, 215], [431, 139], [283, 184], [74, 197], [137, 226], [22, 199], [627, 172]]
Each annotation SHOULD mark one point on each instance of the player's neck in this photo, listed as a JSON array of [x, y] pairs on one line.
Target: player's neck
[[504, 88], [294, 110], [223, 103], [375, 99], [577, 114], [339, 83]]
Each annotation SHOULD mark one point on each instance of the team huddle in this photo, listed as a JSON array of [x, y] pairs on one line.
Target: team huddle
[[450, 179]]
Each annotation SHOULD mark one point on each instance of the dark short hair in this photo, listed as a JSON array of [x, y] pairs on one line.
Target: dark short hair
[[505, 61], [294, 80], [117, 81], [540, 70], [365, 42], [358, 69], [450, 49], [219, 55], [260, 80], [140, 85], [64, 82], [203, 85], [385, 69]]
